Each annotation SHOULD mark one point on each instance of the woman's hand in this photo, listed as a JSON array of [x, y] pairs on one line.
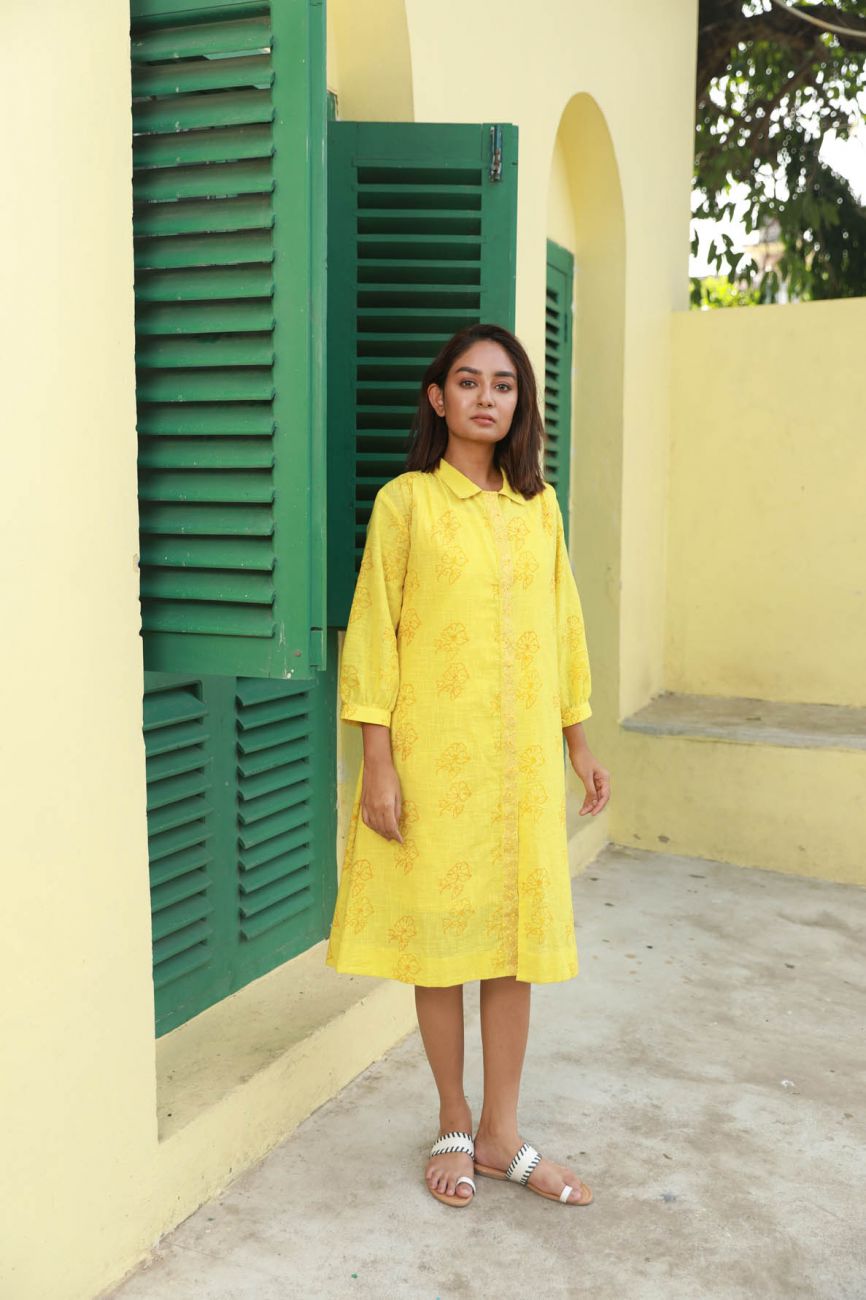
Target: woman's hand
[[595, 778], [381, 798]]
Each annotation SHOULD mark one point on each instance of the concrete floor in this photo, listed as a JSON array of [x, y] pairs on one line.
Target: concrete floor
[[705, 1073]]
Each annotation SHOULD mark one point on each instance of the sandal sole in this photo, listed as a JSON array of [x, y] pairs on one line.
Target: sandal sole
[[489, 1172], [457, 1201]]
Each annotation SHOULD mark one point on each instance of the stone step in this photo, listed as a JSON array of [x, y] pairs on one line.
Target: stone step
[[745, 721], [762, 783]]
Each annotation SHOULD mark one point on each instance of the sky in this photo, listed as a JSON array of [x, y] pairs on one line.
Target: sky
[[848, 157]]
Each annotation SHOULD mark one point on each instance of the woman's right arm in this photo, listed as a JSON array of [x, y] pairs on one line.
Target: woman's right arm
[[369, 666], [381, 796]]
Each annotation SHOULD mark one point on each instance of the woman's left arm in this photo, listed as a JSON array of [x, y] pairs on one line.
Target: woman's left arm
[[574, 679], [595, 778]]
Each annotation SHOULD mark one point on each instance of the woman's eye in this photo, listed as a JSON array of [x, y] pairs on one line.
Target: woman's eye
[[504, 388]]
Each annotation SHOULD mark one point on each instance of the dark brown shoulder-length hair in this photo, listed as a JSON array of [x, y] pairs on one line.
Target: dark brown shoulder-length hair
[[519, 452]]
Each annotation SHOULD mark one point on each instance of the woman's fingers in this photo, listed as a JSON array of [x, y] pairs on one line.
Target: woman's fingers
[[393, 828], [381, 801], [597, 786], [383, 821], [601, 777]]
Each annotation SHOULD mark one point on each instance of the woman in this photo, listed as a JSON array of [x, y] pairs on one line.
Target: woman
[[465, 664]]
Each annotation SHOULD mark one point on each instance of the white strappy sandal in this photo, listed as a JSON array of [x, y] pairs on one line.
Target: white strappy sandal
[[442, 1146], [525, 1160]]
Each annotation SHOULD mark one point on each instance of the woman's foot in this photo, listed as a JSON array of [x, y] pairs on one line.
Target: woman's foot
[[498, 1152], [443, 1171]]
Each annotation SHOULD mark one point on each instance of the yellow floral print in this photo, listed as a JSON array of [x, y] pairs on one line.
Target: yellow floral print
[[451, 563], [452, 638], [466, 638], [403, 931], [459, 917], [452, 681], [409, 625], [454, 758], [455, 878], [525, 569], [454, 801]]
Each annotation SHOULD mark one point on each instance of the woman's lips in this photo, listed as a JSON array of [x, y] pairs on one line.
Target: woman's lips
[[484, 419]]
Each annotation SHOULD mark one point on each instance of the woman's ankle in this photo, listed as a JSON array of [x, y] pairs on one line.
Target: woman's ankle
[[454, 1113], [497, 1128]]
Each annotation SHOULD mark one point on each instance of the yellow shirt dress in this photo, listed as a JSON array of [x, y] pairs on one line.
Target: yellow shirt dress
[[466, 638]]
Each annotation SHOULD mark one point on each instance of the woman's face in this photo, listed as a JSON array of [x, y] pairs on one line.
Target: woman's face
[[480, 393]]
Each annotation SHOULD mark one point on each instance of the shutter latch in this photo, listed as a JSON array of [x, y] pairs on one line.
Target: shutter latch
[[495, 173]]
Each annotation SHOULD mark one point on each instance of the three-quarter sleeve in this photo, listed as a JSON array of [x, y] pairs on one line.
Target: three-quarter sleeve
[[369, 666], [574, 676]]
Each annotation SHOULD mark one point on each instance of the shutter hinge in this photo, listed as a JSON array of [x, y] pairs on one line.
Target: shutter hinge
[[495, 173], [318, 652]]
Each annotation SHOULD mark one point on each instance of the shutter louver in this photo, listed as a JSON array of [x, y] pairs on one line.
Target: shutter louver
[[421, 243], [228, 260], [557, 373], [242, 833], [275, 850], [180, 832]]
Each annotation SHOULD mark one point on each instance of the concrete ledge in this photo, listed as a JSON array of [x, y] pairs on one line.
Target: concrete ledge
[[272, 1023], [788, 807], [744, 721]]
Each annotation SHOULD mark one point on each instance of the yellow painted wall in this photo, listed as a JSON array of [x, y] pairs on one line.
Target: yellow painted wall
[[767, 548], [583, 163], [77, 1084]]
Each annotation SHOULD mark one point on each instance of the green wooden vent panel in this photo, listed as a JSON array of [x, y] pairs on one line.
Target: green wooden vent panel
[[421, 242], [241, 830], [228, 221], [557, 373]]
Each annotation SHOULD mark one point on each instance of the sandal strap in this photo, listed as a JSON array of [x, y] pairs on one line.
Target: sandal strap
[[521, 1167], [464, 1178], [566, 1192], [455, 1141]]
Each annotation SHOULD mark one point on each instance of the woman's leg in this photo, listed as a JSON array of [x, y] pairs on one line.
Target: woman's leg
[[504, 1031], [440, 1019]]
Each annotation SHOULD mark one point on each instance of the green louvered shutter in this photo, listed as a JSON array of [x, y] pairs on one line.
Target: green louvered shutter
[[229, 193], [241, 830], [422, 223], [557, 373]]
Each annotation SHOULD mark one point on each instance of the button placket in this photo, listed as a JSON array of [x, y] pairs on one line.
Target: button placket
[[510, 792]]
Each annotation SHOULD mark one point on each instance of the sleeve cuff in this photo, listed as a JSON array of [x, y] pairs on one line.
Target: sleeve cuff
[[359, 713], [576, 713]]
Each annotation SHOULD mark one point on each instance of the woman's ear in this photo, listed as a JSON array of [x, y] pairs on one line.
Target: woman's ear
[[436, 399]]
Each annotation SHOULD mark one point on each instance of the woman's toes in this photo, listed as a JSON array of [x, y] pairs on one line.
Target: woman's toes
[[577, 1192], [444, 1180]]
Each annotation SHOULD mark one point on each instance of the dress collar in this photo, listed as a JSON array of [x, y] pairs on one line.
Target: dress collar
[[464, 487]]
